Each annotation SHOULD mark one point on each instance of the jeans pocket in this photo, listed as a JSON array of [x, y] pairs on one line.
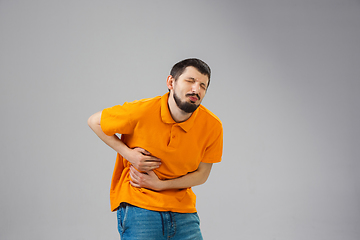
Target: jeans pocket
[[196, 217], [121, 216]]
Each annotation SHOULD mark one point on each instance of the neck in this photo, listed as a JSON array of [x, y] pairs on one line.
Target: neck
[[176, 113]]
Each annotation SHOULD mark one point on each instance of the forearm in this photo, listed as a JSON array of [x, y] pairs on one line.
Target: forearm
[[189, 180], [151, 181]]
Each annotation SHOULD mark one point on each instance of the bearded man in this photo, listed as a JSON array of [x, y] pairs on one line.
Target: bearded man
[[168, 144]]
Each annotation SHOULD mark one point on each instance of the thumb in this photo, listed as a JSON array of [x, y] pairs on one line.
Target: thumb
[[143, 151]]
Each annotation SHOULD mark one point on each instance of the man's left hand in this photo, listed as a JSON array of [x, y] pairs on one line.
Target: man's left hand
[[145, 180]]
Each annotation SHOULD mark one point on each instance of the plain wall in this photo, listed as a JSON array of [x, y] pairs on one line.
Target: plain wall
[[285, 84]]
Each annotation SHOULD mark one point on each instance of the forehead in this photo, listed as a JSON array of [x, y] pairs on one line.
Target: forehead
[[192, 72]]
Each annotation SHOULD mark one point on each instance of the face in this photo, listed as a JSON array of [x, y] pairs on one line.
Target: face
[[190, 89]]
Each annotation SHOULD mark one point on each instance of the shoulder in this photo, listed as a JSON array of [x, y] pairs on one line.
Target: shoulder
[[137, 106], [143, 108], [207, 116], [146, 104]]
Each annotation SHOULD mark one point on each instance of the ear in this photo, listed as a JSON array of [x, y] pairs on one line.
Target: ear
[[170, 82]]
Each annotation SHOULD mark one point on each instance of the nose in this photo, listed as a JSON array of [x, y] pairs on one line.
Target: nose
[[196, 87]]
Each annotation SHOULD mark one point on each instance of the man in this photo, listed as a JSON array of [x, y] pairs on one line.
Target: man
[[168, 145]]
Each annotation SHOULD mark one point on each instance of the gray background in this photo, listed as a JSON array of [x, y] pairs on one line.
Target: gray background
[[285, 84]]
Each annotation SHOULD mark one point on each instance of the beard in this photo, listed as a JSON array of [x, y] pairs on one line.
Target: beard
[[185, 106]]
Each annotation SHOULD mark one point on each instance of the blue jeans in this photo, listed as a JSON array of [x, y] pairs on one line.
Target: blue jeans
[[141, 224]]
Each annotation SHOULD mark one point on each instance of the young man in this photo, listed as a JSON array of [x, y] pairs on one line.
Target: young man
[[168, 145]]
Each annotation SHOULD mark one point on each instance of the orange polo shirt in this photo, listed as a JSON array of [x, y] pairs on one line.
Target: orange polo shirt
[[181, 147]]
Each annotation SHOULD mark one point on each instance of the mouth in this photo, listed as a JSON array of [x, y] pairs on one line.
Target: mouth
[[193, 98]]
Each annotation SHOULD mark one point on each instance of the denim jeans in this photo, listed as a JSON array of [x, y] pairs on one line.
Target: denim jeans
[[140, 224]]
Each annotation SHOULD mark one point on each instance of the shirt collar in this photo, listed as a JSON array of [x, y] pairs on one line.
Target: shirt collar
[[167, 118]]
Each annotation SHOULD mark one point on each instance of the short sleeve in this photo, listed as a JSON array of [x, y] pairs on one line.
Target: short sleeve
[[117, 119], [214, 151]]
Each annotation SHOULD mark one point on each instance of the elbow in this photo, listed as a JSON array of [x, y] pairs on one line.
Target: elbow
[[204, 179], [204, 172], [94, 120], [90, 122]]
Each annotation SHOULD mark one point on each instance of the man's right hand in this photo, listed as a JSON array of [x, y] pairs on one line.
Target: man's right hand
[[142, 160]]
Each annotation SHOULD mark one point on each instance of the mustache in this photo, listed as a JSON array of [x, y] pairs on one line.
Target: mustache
[[193, 94]]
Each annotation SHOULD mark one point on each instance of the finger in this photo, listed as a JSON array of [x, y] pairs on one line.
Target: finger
[[146, 166], [151, 166], [134, 184], [152, 159], [146, 152], [143, 151], [133, 175], [134, 171], [151, 163]]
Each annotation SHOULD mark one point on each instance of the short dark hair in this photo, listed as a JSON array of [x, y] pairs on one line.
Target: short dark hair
[[200, 65]]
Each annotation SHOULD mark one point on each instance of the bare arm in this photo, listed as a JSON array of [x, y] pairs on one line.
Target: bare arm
[[151, 181], [138, 157]]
